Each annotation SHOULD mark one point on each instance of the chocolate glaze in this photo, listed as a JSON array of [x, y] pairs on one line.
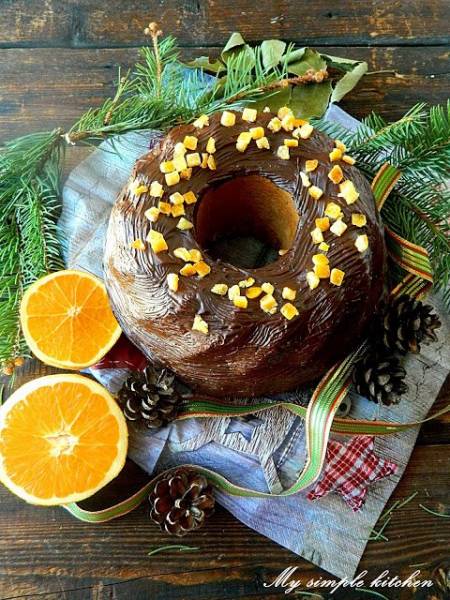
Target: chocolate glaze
[[247, 352]]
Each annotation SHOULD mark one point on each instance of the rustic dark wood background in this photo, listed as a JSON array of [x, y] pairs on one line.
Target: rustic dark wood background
[[59, 57]]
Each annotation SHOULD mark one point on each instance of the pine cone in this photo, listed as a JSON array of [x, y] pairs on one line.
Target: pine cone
[[405, 323], [181, 501], [151, 397], [380, 378]]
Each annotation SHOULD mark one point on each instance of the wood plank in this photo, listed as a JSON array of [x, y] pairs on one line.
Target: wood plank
[[40, 549], [41, 89], [81, 23]]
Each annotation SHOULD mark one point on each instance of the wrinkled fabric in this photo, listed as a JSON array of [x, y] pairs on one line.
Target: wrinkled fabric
[[267, 451]]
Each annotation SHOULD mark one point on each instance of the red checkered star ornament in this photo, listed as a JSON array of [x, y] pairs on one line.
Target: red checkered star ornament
[[350, 469]]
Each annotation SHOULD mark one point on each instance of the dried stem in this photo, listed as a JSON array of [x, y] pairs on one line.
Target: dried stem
[[310, 76]]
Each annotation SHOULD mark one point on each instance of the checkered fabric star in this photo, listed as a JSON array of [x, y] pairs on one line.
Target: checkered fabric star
[[350, 469]]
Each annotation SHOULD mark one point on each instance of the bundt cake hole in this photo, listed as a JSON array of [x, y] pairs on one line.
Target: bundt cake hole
[[246, 221]]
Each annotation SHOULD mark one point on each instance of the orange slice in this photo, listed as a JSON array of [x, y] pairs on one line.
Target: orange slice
[[62, 438], [67, 320]]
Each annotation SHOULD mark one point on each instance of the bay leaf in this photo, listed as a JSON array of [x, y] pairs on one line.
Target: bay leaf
[[311, 59], [274, 100], [295, 55], [234, 42], [272, 51], [340, 63], [310, 100], [348, 81]]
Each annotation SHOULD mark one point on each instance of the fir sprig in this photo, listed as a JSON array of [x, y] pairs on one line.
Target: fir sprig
[[29, 203], [419, 207]]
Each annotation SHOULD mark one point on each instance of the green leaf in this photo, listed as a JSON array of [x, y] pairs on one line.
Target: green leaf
[[294, 55], [311, 60], [310, 100], [340, 63], [235, 41], [274, 101], [348, 81], [204, 62], [272, 51], [236, 45]]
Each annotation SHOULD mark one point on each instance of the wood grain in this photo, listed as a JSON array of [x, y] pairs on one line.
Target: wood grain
[[40, 549], [42, 89], [60, 57], [80, 23]]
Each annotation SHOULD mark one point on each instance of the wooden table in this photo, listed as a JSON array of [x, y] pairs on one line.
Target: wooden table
[[59, 57]]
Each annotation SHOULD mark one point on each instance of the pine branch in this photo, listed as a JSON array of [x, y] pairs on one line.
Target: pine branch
[[419, 207], [29, 189]]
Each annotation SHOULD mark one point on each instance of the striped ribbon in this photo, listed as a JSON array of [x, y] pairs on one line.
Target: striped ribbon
[[321, 410], [384, 182]]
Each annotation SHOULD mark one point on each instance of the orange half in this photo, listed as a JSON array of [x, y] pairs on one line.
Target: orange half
[[62, 438], [67, 320]]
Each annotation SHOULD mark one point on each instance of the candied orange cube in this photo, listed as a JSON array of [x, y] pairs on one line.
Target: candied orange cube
[[190, 197], [177, 210], [172, 178], [312, 279], [193, 159], [156, 189], [240, 301], [362, 243], [336, 276], [335, 154], [202, 269], [317, 236], [190, 142], [333, 210], [220, 289], [268, 304], [315, 192], [253, 292], [359, 220], [137, 244], [322, 271], [164, 208], [173, 282], [256, 132], [348, 191], [323, 223], [188, 270], [152, 214], [195, 255], [182, 253], [157, 241], [211, 146], [201, 122], [311, 165], [288, 293], [336, 175], [289, 311], [320, 259], [249, 114], [338, 227], [228, 119], [200, 325], [184, 224]]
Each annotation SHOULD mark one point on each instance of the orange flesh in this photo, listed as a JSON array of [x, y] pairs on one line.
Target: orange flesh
[[59, 440], [69, 318]]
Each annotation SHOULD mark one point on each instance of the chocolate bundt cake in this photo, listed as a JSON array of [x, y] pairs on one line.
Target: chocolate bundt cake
[[246, 253]]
